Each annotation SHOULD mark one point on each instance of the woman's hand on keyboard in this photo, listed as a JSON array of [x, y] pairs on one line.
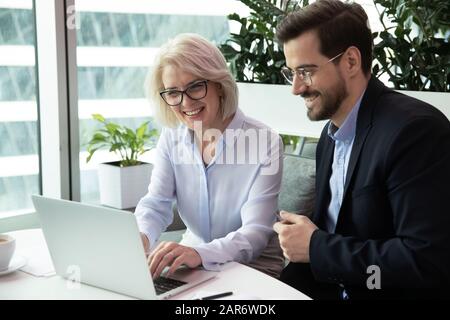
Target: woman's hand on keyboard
[[173, 255], [145, 243]]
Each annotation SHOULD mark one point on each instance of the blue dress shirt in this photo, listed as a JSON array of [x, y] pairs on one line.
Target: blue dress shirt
[[343, 143], [228, 206]]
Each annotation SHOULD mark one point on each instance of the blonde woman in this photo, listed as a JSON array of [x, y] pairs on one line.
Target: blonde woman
[[221, 167]]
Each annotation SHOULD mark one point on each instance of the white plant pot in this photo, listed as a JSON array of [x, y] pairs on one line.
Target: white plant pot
[[123, 187]]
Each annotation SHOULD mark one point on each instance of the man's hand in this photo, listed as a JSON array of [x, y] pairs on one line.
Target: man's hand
[[174, 255], [294, 232]]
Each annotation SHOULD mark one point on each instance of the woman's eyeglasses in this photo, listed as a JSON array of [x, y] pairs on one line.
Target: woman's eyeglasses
[[194, 91]]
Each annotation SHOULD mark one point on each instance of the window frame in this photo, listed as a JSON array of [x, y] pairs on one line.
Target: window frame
[[57, 91]]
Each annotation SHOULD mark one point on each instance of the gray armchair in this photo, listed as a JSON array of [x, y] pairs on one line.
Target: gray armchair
[[298, 185]]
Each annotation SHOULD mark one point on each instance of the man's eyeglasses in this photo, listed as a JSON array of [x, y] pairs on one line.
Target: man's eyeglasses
[[195, 91], [303, 74]]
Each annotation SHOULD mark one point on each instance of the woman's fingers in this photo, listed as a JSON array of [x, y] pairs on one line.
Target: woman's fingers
[[165, 261], [161, 245], [163, 257], [172, 255], [188, 257], [158, 254], [153, 252], [180, 260], [145, 243]]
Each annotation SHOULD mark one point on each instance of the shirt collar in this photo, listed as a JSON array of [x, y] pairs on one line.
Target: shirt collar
[[348, 129]]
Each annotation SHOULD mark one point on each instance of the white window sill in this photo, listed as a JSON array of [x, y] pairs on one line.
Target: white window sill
[[15, 213]]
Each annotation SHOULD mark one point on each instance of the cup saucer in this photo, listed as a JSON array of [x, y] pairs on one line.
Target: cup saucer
[[16, 263]]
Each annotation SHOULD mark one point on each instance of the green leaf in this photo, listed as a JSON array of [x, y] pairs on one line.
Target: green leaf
[[115, 147], [140, 132], [89, 157], [98, 137], [112, 128], [91, 153], [98, 117]]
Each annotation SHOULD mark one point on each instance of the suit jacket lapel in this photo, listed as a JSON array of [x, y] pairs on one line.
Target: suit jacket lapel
[[326, 150], [363, 125], [354, 156], [323, 171]]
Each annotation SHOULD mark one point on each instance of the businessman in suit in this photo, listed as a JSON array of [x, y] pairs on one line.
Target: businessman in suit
[[381, 224]]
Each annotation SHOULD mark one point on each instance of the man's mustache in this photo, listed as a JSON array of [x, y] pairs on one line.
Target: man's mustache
[[306, 95]]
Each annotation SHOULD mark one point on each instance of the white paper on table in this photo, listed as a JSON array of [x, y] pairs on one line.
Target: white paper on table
[[39, 262]]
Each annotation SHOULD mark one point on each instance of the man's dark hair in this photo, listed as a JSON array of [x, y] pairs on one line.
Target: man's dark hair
[[338, 25]]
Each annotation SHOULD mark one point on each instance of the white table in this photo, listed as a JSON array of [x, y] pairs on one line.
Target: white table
[[243, 281]]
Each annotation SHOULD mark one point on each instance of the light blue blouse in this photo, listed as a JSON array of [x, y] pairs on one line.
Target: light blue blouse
[[228, 206]]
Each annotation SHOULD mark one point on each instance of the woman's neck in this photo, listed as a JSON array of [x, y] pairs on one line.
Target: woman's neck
[[207, 139]]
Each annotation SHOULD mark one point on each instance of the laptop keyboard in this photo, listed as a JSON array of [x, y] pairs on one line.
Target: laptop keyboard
[[163, 284]]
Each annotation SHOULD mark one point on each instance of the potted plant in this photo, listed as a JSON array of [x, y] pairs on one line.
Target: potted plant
[[413, 50], [122, 183], [255, 56]]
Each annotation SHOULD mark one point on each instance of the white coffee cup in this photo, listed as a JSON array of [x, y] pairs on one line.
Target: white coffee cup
[[7, 247]]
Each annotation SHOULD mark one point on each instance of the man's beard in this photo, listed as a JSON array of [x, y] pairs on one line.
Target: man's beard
[[330, 102]]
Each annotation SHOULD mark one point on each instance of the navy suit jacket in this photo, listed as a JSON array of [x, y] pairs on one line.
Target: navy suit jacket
[[395, 212]]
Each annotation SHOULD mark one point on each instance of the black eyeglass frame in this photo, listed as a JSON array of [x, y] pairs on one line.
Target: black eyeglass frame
[[185, 92]]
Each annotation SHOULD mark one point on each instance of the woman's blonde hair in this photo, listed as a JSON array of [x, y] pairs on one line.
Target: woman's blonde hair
[[193, 54]]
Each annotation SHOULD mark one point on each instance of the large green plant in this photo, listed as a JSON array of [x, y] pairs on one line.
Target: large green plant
[[253, 53], [415, 57], [127, 143], [414, 52]]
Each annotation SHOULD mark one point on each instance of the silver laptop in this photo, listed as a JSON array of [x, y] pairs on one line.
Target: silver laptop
[[104, 246]]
